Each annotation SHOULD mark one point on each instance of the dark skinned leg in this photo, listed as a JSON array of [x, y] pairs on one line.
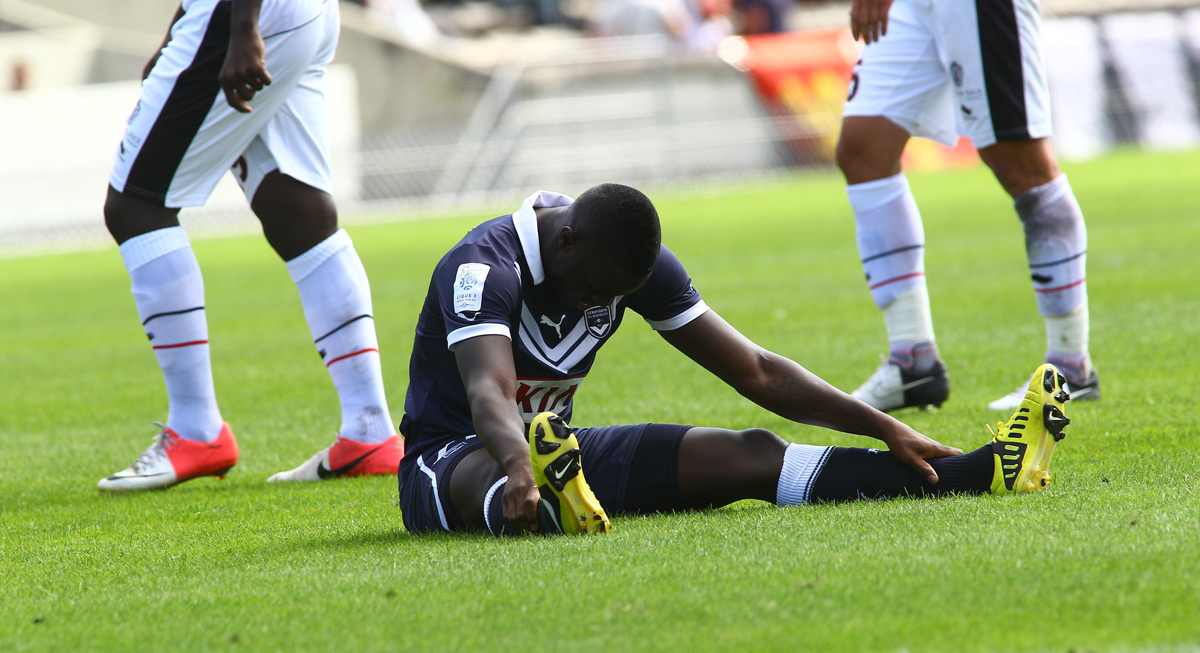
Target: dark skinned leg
[[716, 468], [475, 474], [127, 216], [869, 148], [294, 216], [719, 466]]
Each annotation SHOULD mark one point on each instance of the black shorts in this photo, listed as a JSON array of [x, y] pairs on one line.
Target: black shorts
[[632, 468]]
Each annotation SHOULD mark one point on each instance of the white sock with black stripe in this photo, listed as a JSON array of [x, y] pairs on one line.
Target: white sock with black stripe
[[890, 235], [801, 464], [891, 244], [337, 305], [169, 292], [1056, 244]]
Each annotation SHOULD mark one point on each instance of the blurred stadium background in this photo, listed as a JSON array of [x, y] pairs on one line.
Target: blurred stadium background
[[451, 105]]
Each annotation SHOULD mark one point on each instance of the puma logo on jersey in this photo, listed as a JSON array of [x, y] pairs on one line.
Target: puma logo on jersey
[[557, 325]]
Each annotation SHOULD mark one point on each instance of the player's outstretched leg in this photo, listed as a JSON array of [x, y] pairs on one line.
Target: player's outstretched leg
[[558, 472], [1017, 459], [172, 460], [1022, 446]]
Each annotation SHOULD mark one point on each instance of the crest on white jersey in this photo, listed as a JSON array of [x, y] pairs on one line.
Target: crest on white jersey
[[468, 289], [599, 320]]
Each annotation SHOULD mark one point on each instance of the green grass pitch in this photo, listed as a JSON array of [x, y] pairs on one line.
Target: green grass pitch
[[1107, 558]]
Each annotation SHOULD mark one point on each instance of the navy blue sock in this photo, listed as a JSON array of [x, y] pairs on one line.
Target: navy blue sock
[[853, 473]]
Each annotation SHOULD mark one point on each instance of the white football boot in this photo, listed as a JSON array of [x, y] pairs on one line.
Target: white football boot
[[892, 387], [1083, 391], [172, 460]]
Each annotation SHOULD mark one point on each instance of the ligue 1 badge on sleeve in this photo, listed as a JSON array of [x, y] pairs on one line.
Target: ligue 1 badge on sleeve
[[598, 320], [468, 289]]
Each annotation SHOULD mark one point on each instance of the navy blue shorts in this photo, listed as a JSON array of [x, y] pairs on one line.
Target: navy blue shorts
[[632, 468]]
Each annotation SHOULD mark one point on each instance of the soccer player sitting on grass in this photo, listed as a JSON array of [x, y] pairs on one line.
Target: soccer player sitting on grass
[[514, 317]]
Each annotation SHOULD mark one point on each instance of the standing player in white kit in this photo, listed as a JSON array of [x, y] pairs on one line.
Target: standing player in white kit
[[938, 69], [237, 86]]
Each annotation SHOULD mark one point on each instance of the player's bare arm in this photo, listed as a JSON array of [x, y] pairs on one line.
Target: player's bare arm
[[490, 378], [245, 70], [869, 19], [785, 388]]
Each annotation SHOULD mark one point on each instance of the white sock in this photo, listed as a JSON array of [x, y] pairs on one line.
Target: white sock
[[337, 304], [801, 464], [1067, 344], [1068, 335], [908, 318], [169, 292], [891, 236], [1056, 244]]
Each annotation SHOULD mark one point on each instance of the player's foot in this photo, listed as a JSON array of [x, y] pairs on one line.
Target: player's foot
[[347, 458], [892, 387], [558, 472], [172, 460], [1080, 391], [1022, 446]]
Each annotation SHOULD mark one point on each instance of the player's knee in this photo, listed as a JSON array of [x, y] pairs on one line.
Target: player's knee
[[1021, 165], [869, 148], [127, 217], [861, 161], [851, 156], [758, 441], [295, 216]]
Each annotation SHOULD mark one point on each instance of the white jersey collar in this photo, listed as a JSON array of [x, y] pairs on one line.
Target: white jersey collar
[[525, 220]]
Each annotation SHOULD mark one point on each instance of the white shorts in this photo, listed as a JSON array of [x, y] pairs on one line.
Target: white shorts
[[947, 68], [183, 135]]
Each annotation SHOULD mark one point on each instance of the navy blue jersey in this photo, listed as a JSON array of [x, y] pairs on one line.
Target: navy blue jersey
[[491, 283]]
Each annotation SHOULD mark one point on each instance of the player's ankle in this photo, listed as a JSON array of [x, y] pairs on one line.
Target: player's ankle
[[1077, 368], [914, 356]]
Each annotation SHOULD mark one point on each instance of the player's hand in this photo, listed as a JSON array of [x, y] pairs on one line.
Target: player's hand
[[869, 19], [245, 70], [913, 448], [520, 500]]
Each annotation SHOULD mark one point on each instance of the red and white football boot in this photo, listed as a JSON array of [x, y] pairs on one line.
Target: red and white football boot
[[172, 460]]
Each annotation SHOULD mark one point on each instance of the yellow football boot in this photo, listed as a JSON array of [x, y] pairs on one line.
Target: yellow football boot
[[1022, 446], [558, 472]]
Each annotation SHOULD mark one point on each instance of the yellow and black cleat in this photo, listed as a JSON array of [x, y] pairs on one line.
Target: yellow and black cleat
[[558, 472], [1022, 446]]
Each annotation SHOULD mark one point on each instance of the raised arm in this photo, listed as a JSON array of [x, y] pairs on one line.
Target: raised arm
[[244, 72], [486, 365], [785, 388]]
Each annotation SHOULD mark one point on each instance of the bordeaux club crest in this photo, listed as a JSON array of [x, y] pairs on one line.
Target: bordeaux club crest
[[598, 320]]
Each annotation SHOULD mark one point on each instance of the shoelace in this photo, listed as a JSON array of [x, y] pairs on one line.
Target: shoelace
[[157, 451]]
